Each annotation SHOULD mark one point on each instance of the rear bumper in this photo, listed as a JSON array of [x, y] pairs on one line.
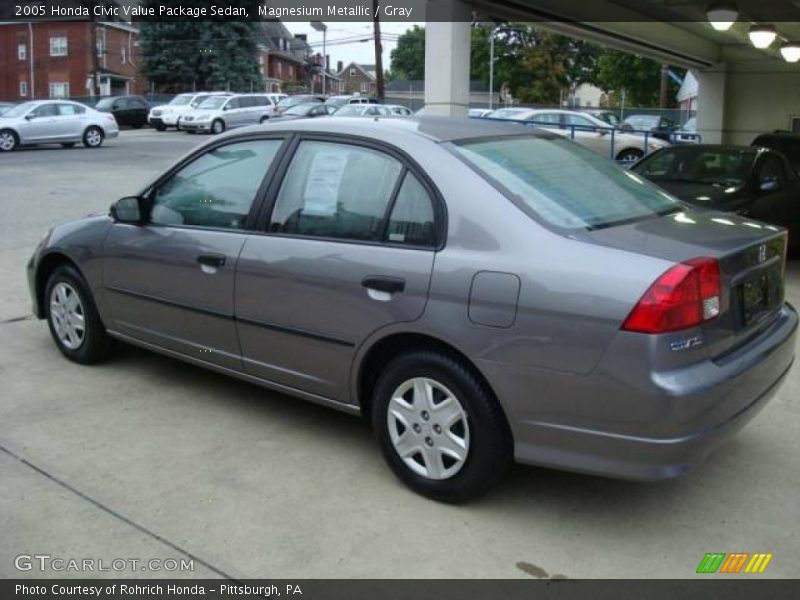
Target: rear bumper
[[671, 425]]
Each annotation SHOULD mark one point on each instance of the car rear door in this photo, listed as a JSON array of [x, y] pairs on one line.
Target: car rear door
[[330, 268], [169, 282]]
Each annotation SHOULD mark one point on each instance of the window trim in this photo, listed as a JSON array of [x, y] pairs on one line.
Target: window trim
[[258, 199], [22, 51], [66, 45], [408, 164]]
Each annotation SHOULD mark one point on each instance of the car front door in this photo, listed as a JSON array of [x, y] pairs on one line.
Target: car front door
[[776, 194], [41, 124], [348, 250], [169, 282], [232, 112]]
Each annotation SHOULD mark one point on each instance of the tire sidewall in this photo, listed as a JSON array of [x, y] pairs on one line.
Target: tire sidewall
[[489, 441], [95, 340], [214, 129], [634, 154]]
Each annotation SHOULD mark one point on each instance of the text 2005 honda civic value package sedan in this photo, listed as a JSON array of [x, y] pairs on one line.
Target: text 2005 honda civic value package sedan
[[483, 292]]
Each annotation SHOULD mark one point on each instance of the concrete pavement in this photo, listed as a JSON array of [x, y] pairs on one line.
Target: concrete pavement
[[146, 457]]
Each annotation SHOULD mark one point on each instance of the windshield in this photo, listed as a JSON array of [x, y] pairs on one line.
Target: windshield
[[337, 100], [19, 109], [723, 167], [565, 184], [690, 125], [213, 102], [181, 100]]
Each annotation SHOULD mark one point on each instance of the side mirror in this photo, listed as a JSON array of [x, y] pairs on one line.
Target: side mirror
[[127, 210], [30, 117], [770, 184], [626, 127]]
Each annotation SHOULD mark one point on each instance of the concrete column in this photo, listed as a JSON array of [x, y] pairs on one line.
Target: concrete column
[[447, 51], [711, 85]]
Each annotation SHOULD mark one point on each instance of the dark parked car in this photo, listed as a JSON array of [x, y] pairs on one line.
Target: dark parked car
[[785, 142], [306, 110], [290, 101], [481, 292], [127, 110], [660, 127], [687, 133], [753, 182]]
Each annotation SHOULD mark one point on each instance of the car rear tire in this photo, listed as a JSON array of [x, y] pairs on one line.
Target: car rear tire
[[68, 144], [73, 318], [8, 140], [440, 429], [160, 128], [629, 156], [93, 137], [218, 126]]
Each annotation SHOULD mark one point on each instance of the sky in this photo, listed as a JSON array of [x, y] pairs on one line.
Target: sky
[[360, 52]]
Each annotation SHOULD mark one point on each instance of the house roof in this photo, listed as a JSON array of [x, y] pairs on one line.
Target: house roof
[[279, 40], [689, 88]]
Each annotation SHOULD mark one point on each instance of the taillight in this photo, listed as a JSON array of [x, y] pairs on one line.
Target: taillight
[[111, 117], [687, 295]]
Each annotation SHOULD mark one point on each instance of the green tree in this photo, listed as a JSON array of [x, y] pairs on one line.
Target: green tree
[[188, 54], [639, 76], [407, 59]]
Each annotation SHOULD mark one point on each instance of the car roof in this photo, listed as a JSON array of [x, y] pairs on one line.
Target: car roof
[[434, 128]]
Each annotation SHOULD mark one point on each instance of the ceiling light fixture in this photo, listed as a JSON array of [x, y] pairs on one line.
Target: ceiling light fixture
[[762, 36], [791, 52], [722, 15]]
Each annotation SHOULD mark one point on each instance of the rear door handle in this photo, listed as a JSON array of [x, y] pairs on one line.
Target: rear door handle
[[390, 285], [212, 260]]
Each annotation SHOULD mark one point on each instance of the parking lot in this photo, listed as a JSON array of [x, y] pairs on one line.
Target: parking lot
[[147, 457]]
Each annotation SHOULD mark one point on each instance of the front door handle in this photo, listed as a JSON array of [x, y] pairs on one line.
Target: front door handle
[[212, 260], [390, 285]]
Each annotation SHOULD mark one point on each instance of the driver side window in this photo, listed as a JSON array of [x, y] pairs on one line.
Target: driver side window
[[217, 189]]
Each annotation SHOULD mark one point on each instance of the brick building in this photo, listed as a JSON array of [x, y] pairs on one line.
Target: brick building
[[54, 60]]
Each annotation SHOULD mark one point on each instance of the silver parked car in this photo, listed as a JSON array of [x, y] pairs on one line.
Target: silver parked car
[[480, 291], [219, 113], [167, 115], [55, 122]]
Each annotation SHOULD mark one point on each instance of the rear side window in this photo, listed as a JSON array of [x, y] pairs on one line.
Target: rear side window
[[70, 110], [336, 191], [565, 184], [411, 221]]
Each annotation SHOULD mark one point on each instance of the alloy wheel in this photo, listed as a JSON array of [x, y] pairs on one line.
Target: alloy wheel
[[428, 428], [7, 141], [67, 315], [94, 137]]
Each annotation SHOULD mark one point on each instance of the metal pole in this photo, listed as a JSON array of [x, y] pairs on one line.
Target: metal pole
[[491, 69], [324, 60]]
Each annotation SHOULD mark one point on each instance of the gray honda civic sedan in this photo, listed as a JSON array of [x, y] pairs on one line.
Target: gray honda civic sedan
[[482, 292]]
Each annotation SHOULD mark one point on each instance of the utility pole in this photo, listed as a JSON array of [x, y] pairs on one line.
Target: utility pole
[[378, 50], [662, 102]]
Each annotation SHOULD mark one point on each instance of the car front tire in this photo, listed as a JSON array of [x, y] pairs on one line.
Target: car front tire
[[440, 429], [8, 140], [73, 318], [218, 126], [93, 137], [629, 156]]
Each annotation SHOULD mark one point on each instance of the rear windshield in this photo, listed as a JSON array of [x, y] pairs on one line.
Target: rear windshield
[[565, 184]]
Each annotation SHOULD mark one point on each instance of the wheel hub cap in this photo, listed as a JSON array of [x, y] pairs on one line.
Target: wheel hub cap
[[428, 428], [67, 316]]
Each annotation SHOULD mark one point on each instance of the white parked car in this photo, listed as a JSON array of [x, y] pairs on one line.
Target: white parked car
[[167, 115], [219, 113], [55, 122], [589, 131]]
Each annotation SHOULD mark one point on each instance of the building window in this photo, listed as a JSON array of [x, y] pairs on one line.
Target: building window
[[22, 51], [352, 71], [58, 46], [59, 89], [123, 57], [23, 89], [365, 87]]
